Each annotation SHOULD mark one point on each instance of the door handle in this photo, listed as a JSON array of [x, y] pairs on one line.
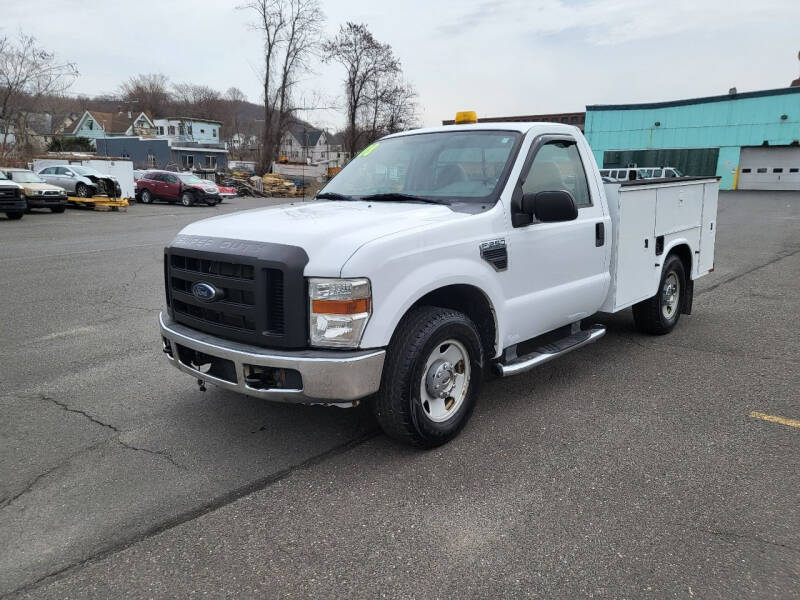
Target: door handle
[[599, 234]]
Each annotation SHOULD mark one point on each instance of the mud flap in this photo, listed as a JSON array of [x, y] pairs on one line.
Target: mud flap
[[688, 298]]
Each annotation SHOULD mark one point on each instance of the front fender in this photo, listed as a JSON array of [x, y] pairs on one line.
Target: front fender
[[393, 296]]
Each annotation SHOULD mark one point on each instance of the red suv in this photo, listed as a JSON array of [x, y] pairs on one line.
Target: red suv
[[185, 188]]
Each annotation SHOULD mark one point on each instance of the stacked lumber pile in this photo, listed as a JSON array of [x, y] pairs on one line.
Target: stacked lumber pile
[[270, 185], [279, 186]]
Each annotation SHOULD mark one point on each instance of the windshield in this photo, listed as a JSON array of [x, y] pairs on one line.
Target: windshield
[[194, 179], [85, 171], [25, 177], [3, 176], [464, 165]]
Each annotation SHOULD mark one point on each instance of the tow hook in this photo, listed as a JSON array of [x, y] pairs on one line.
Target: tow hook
[[201, 384]]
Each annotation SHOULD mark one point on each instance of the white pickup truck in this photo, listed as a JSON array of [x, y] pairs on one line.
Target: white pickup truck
[[435, 256]]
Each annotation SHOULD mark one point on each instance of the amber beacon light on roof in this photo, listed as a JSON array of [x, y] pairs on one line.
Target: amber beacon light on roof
[[465, 117]]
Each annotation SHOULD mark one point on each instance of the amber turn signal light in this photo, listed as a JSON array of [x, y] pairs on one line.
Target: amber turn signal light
[[340, 307]]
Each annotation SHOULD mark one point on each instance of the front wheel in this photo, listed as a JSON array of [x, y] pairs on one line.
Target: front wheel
[[431, 377], [659, 315], [82, 190], [15, 216], [187, 199]]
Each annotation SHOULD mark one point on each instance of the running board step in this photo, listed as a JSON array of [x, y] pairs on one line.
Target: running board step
[[548, 352]]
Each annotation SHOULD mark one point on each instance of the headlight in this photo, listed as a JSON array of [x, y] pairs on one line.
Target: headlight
[[339, 310]]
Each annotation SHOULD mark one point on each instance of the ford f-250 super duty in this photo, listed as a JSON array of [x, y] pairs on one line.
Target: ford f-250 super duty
[[435, 255]]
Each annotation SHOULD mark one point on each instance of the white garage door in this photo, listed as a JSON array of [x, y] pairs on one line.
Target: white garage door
[[770, 168]]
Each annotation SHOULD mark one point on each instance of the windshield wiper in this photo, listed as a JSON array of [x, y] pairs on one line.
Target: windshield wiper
[[389, 196], [333, 196]]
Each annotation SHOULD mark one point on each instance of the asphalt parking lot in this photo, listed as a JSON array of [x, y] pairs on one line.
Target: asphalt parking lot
[[631, 468]]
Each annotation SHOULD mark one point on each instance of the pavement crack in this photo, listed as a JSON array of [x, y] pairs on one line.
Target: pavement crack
[[162, 453], [8, 501], [68, 408], [201, 510]]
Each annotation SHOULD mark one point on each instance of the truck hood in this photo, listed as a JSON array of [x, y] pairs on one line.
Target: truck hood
[[31, 188], [329, 231]]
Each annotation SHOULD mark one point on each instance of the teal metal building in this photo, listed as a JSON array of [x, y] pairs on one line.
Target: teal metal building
[[751, 140]]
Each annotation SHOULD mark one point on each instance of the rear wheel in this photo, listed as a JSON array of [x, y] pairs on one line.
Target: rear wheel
[[187, 199], [146, 197], [58, 209], [15, 216], [431, 377], [659, 315]]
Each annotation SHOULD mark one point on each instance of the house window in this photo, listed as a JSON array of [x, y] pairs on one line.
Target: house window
[[211, 162], [151, 159], [90, 124], [188, 161], [214, 132], [160, 130], [201, 131], [171, 130], [180, 128], [189, 130]]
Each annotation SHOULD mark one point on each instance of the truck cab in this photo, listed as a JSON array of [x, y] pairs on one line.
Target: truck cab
[[434, 256], [12, 202]]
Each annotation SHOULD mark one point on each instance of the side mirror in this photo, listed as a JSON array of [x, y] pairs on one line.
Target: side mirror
[[550, 207]]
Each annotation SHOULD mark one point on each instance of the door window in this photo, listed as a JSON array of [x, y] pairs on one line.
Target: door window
[[558, 166]]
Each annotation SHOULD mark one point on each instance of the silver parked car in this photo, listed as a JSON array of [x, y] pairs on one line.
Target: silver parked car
[[81, 181]]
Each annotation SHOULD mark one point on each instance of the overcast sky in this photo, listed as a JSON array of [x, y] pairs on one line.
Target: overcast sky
[[499, 57]]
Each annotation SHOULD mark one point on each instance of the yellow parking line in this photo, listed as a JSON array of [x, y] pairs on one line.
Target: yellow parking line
[[772, 418]]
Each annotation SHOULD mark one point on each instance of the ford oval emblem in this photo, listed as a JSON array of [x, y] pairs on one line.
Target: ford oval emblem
[[206, 292]]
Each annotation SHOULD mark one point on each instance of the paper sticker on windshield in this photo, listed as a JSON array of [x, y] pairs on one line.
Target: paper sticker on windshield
[[366, 151]]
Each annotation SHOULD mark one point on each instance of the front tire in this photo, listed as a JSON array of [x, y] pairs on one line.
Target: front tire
[[82, 191], [187, 199], [659, 315], [431, 377], [15, 216]]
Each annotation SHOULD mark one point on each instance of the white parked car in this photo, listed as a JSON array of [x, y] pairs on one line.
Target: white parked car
[[432, 256]]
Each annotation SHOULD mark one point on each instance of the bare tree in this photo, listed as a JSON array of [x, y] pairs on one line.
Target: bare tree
[[28, 72], [149, 90], [400, 107], [194, 100], [291, 32], [366, 62], [234, 119]]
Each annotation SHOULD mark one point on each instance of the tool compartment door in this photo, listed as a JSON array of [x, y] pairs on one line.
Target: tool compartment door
[[636, 273], [678, 208], [708, 233]]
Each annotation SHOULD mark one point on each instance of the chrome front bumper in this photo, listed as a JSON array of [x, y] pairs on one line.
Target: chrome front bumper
[[328, 376]]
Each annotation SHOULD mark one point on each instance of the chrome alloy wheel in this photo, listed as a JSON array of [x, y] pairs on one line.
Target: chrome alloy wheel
[[670, 296], [445, 381]]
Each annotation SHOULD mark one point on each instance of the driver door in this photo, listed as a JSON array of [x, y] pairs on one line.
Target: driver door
[[561, 269]]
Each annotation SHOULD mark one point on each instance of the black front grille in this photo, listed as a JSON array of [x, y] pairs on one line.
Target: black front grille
[[9, 193], [252, 291]]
